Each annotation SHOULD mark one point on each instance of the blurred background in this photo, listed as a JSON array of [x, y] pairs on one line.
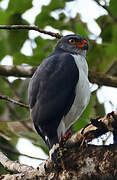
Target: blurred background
[[94, 19]]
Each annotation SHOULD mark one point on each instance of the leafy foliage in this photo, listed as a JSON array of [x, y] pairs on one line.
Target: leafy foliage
[[113, 7], [15, 121], [21, 6]]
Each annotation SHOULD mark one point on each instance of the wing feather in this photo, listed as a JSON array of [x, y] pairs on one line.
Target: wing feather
[[52, 91]]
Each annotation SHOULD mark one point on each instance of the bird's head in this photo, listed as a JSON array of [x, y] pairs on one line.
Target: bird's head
[[73, 43]]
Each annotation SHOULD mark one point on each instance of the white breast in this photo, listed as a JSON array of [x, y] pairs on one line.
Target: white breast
[[82, 96]]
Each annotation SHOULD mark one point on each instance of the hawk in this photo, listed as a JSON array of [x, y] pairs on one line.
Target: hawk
[[59, 89]]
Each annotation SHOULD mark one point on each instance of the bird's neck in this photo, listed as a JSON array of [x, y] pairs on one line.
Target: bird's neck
[[79, 52]]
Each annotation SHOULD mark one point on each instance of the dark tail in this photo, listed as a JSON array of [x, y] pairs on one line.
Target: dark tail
[[51, 141], [53, 145]]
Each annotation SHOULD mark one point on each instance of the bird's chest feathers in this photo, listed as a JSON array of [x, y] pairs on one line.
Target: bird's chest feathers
[[82, 92], [81, 64], [82, 88]]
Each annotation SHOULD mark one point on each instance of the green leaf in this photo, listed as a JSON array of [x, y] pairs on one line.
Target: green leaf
[[5, 88], [80, 29], [110, 55], [95, 56], [114, 33], [19, 6], [113, 7], [5, 131], [45, 18], [9, 148], [2, 170], [106, 25], [16, 38], [12, 41], [3, 17], [20, 58], [43, 49], [17, 42], [3, 48], [22, 113], [99, 108], [3, 105], [17, 83]]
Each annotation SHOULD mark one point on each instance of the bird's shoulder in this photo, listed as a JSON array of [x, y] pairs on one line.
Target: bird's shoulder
[[57, 70], [56, 60], [54, 65]]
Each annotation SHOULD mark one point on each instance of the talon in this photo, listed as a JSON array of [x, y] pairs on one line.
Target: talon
[[84, 143], [57, 157], [64, 149]]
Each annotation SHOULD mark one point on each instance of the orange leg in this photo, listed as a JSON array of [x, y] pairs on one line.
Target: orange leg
[[65, 137]]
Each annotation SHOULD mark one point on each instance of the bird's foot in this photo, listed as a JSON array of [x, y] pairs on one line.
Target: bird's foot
[[84, 143], [60, 157], [57, 157], [57, 152]]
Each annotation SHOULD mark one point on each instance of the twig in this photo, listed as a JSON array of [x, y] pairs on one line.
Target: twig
[[4, 147], [32, 157], [108, 10], [35, 28], [6, 98], [96, 128]]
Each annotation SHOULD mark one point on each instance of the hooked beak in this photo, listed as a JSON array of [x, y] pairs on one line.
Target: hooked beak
[[82, 45]]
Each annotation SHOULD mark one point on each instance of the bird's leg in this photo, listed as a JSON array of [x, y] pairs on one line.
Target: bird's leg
[[63, 141], [56, 157], [57, 151], [65, 137], [63, 149]]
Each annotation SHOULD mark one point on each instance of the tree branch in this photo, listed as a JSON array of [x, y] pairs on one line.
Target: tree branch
[[17, 71], [24, 171], [85, 161], [6, 98], [27, 71], [30, 175], [96, 128], [102, 79], [108, 10], [13, 166], [35, 28]]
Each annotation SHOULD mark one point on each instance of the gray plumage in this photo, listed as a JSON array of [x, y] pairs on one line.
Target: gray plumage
[[59, 89]]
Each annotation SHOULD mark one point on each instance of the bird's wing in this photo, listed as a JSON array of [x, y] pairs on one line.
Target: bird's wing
[[52, 89]]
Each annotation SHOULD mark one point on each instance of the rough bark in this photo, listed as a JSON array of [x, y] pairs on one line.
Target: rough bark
[[78, 163], [79, 160]]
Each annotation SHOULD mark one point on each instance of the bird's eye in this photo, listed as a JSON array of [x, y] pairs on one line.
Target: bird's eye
[[72, 41]]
